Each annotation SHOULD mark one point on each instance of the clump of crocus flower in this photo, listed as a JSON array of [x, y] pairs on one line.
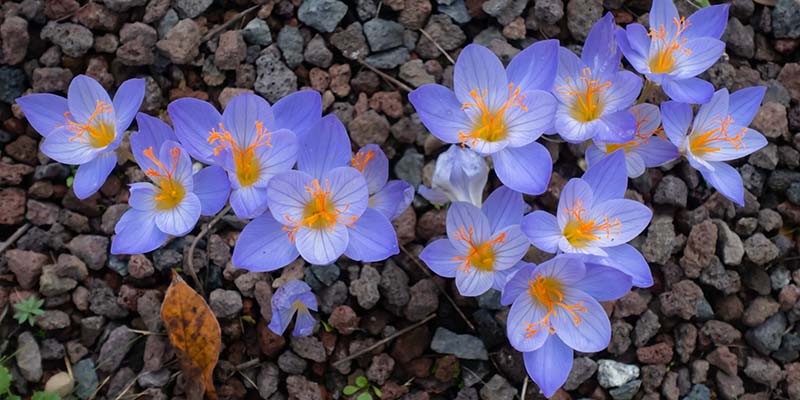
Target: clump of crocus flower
[[460, 175], [677, 49], [649, 147], [594, 218], [86, 128], [294, 297], [594, 95], [555, 310], [483, 244], [498, 112], [719, 133]]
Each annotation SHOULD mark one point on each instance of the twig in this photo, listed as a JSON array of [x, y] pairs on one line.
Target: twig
[[146, 333], [646, 91], [551, 140], [385, 340], [227, 24], [524, 388], [387, 77], [96, 391], [190, 265], [437, 46], [442, 291], [13, 238]]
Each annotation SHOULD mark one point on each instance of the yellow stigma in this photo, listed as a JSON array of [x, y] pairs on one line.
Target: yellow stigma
[[491, 125], [96, 131], [548, 292], [248, 168], [580, 232], [319, 212], [170, 191], [480, 255], [585, 96], [664, 61]]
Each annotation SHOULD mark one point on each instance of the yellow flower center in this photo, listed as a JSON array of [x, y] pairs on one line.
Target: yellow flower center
[[580, 232], [548, 292], [491, 125], [585, 97], [248, 168], [96, 131], [170, 191], [480, 255], [664, 61], [319, 212], [702, 143]]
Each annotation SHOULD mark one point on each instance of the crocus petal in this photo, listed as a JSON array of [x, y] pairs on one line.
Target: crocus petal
[[608, 178], [127, 101], [526, 311], [710, 112], [464, 219], [517, 283], [648, 117], [212, 187], [327, 146], [136, 233], [726, 180], [142, 196], [594, 153], [263, 246], [372, 238], [348, 191], [183, 167], [743, 104], [707, 22], [751, 141], [657, 152], [375, 168], [574, 131], [249, 201], [566, 268], [287, 195], [623, 92], [510, 251], [44, 111], [526, 125], [182, 218], [575, 192], [570, 69], [534, 68], [478, 69], [304, 324], [242, 114], [322, 246], [676, 118], [632, 216], [634, 165], [278, 157], [600, 49], [92, 175], [628, 260], [475, 282], [281, 320], [501, 277], [152, 133], [59, 146], [704, 53], [393, 199], [541, 228], [525, 169], [549, 366], [441, 257], [592, 332], [82, 97], [604, 283], [298, 112], [619, 127], [635, 44], [434, 196], [663, 13], [691, 90], [193, 120], [440, 111], [504, 207]]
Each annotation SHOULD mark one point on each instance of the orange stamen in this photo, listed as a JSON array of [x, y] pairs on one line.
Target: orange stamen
[[580, 232], [244, 157], [586, 106], [171, 191], [700, 144], [491, 126], [100, 133], [360, 160], [548, 292], [480, 256], [319, 212], [664, 61]]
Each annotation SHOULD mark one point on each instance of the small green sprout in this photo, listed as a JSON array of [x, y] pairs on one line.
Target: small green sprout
[[365, 387], [28, 310], [45, 396]]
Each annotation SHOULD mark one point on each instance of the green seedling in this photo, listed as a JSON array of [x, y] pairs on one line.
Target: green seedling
[[364, 388], [27, 310]]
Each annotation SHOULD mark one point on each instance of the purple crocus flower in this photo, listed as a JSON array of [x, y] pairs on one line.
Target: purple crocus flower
[[649, 147], [319, 211], [594, 218], [460, 175], [390, 198], [481, 243], [176, 198], [719, 133], [497, 111], [594, 95], [556, 310], [677, 49], [293, 297], [85, 128], [251, 140]]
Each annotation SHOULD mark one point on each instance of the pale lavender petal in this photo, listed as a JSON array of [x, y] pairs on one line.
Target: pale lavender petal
[[511, 250], [635, 45], [127, 101], [182, 218], [628, 260], [569, 70], [707, 22], [549, 366], [600, 51], [517, 283], [576, 192], [263, 245], [393, 199], [604, 283], [534, 68], [648, 117], [676, 118], [541, 228], [691, 90], [574, 131], [591, 332], [566, 268], [298, 112], [504, 207], [712, 111], [525, 169], [624, 90], [632, 218], [372, 162], [751, 141], [434, 196], [744, 104], [92, 175], [82, 97], [478, 69], [136, 233], [726, 180], [304, 324], [288, 196], [348, 191], [526, 311], [440, 257], [663, 13], [634, 164], [620, 127], [523, 126], [44, 111], [372, 238], [193, 120], [249, 202], [278, 157], [322, 246], [474, 282], [608, 178], [440, 111], [59, 146], [152, 133], [212, 187], [657, 152], [242, 114], [327, 146], [464, 219], [704, 53], [142, 196]]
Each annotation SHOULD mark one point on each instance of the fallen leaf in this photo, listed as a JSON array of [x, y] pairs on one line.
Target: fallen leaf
[[194, 332]]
